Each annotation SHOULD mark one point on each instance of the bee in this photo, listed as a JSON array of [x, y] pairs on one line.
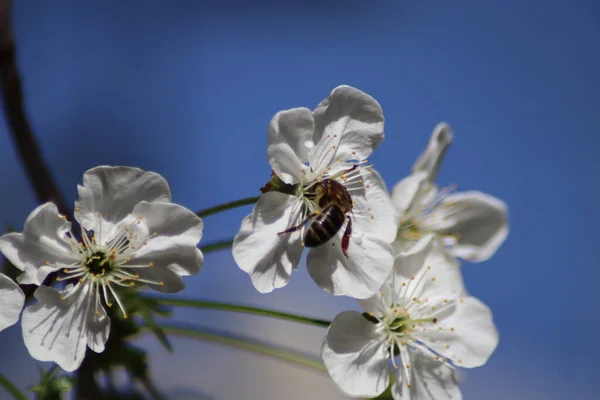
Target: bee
[[335, 204]]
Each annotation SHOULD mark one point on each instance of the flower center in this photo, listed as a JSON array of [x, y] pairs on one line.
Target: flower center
[[107, 265], [98, 264]]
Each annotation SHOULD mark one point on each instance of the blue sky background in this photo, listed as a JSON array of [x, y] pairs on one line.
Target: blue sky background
[[187, 89]]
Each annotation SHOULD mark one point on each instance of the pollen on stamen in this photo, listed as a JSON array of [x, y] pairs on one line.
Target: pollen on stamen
[[403, 283], [408, 385], [161, 283], [447, 346], [151, 264], [435, 320], [127, 259], [395, 367], [433, 279], [395, 267], [407, 365], [452, 329], [47, 262]]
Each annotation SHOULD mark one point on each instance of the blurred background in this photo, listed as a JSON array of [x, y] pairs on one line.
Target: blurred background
[[187, 89]]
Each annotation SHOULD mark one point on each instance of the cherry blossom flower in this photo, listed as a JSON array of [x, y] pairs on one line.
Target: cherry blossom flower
[[322, 195], [423, 321], [473, 225], [131, 234]]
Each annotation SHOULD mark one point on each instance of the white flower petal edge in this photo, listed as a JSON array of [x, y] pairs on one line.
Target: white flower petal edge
[[260, 251], [360, 274], [290, 140], [11, 302], [431, 159], [430, 379], [478, 222], [59, 328], [348, 125], [113, 192], [352, 353], [424, 311], [175, 232], [43, 239]]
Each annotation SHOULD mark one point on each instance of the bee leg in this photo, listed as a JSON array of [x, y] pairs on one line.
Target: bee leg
[[298, 227], [346, 237]]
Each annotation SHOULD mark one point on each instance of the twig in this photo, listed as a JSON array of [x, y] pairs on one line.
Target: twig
[[18, 125]]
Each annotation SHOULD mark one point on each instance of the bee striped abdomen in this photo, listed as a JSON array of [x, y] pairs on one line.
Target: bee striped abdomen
[[324, 226]]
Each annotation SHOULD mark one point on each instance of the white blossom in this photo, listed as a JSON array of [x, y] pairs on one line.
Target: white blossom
[[423, 320], [471, 224], [305, 150], [131, 234], [11, 302]]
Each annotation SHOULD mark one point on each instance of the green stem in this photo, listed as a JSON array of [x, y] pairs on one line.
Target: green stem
[[243, 344], [227, 206], [12, 389], [213, 305], [216, 246]]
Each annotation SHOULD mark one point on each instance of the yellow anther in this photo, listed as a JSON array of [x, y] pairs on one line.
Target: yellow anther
[[161, 283], [47, 262], [407, 365], [433, 279], [403, 283], [452, 329], [151, 264], [395, 267], [408, 385], [447, 346]]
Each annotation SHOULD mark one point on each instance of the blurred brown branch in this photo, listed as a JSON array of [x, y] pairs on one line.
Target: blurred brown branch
[[18, 125]]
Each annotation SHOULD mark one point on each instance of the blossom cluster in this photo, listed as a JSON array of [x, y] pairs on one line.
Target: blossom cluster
[[396, 253]]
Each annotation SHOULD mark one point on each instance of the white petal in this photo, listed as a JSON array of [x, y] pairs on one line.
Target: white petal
[[408, 192], [11, 302], [380, 303], [479, 220], [431, 380], [174, 232], [60, 330], [168, 267], [359, 275], [374, 211], [113, 192], [43, 239], [473, 338], [427, 271], [355, 355], [290, 139], [258, 249], [430, 160], [348, 126]]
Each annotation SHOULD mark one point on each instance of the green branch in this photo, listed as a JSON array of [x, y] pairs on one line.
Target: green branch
[[216, 246], [12, 389], [227, 206], [226, 339], [213, 305]]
